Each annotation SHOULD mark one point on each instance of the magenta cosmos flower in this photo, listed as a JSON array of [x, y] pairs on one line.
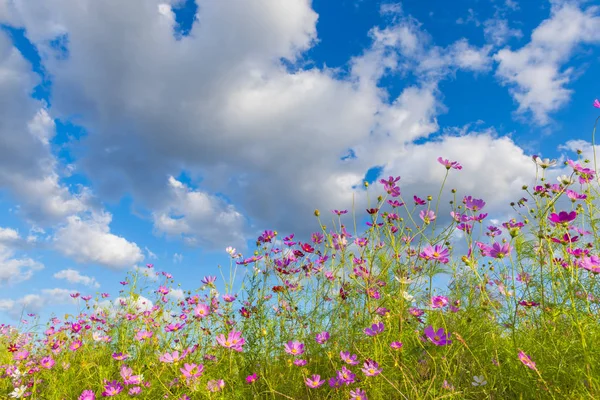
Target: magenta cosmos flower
[[371, 368], [439, 338], [437, 253], [449, 164], [314, 381], [252, 378], [47, 362], [591, 263], [526, 360], [496, 250], [597, 103], [87, 395], [347, 358], [427, 216], [346, 376], [562, 217], [234, 340], [112, 388], [322, 337], [294, 348], [439, 301], [396, 345]]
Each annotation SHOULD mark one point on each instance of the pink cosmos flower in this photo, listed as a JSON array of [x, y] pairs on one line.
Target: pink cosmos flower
[[591, 263], [87, 395], [358, 394], [75, 345], [170, 357], [314, 381], [347, 358], [346, 376], [134, 391], [597, 103], [526, 360], [473, 204], [437, 253], [192, 371], [449, 164], [427, 216], [21, 355], [234, 340], [143, 335], [322, 337], [201, 310], [300, 363], [120, 356], [496, 250], [396, 345], [47, 362], [112, 388], [371, 368], [439, 301], [294, 348]]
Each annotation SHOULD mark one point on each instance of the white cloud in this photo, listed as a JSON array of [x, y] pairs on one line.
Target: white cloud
[[88, 240], [535, 74], [497, 31], [199, 217], [177, 258], [35, 303], [74, 276], [14, 269]]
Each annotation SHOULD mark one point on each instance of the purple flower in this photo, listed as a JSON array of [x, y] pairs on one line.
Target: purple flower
[[437, 253], [209, 280], [314, 381], [396, 345], [252, 378], [473, 204], [449, 164], [358, 394], [438, 338], [346, 376], [347, 358], [294, 348], [87, 395], [120, 356], [597, 103], [418, 201], [439, 301], [371, 368], [322, 337], [234, 340], [562, 217], [300, 363], [375, 329], [496, 250], [112, 388]]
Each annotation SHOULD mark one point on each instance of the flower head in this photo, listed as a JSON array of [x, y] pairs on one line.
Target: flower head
[[437, 253], [371, 368], [562, 217], [234, 340], [87, 395], [322, 337], [375, 329], [294, 348], [526, 360], [314, 381], [439, 301], [597, 103], [439, 338], [252, 378], [449, 164]]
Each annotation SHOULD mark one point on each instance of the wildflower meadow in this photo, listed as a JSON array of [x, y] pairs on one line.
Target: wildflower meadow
[[411, 308]]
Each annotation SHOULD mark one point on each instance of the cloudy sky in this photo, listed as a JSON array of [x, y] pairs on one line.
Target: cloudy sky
[[163, 131]]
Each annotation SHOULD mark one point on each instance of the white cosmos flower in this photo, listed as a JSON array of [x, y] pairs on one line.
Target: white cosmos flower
[[544, 162], [18, 392], [479, 381]]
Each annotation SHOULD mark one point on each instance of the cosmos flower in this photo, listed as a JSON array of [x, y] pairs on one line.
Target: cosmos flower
[[439, 338]]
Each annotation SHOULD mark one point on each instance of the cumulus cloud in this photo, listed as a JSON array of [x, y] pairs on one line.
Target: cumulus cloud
[[262, 143], [536, 74], [88, 240], [74, 276], [35, 303], [498, 32], [14, 269]]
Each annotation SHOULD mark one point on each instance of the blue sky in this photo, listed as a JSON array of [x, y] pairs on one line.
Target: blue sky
[[164, 131]]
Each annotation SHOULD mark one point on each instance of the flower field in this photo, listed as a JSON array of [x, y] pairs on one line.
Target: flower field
[[431, 301]]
